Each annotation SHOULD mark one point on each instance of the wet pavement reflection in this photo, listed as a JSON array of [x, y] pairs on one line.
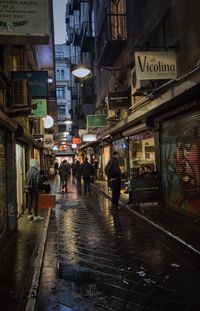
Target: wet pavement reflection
[[101, 259]]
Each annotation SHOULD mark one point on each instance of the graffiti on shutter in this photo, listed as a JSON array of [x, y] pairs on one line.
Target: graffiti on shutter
[[180, 150], [2, 189]]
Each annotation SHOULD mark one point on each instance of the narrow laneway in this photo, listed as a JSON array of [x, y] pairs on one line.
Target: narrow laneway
[[100, 259]]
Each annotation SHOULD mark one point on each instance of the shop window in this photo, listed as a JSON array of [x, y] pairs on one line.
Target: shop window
[[142, 152]]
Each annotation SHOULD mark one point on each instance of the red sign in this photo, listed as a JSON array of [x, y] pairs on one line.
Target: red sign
[[76, 140]]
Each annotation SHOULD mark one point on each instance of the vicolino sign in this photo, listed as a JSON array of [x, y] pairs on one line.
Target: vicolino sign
[[155, 65]]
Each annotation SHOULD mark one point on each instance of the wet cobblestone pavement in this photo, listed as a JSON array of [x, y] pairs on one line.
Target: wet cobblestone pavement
[[99, 259]]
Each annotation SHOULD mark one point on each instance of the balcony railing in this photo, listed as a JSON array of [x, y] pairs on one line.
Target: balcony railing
[[111, 39]]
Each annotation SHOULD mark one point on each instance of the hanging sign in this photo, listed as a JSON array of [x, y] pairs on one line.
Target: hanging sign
[[24, 22], [39, 108], [89, 138], [76, 140], [96, 120], [48, 122], [37, 81], [118, 100], [155, 65]]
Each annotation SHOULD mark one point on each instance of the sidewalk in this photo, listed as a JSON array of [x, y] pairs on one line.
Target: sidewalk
[[19, 261], [185, 229]]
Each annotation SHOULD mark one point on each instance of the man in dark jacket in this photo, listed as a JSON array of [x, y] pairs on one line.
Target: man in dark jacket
[[64, 170], [77, 175], [113, 173], [87, 171]]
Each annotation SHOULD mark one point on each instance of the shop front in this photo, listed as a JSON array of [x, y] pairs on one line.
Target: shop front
[[3, 202], [180, 156], [121, 146], [105, 157], [142, 156]]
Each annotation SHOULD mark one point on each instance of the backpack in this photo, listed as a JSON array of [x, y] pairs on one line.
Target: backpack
[[29, 182]]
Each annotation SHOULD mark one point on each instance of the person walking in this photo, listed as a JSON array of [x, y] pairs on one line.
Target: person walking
[[32, 183], [113, 173], [87, 170], [56, 165], [64, 171], [77, 175], [73, 171]]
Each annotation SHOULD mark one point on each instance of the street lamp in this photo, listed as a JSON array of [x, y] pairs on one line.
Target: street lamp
[[67, 121], [81, 71]]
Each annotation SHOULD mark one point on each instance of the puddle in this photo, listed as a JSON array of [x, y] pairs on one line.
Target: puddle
[[80, 280]]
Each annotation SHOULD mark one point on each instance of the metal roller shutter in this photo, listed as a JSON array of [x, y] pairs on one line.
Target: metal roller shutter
[[3, 206], [180, 154]]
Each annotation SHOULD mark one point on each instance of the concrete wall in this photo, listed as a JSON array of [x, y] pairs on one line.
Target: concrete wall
[[165, 23]]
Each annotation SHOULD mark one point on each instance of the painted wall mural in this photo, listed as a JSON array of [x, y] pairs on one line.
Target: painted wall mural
[[181, 164]]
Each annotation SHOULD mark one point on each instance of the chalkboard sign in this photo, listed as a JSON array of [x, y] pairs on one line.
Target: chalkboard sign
[[145, 189]]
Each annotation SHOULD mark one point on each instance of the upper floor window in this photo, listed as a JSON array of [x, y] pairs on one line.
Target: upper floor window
[[60, 92], [118, 11], [62, 74], [58, 74], [59, 54]]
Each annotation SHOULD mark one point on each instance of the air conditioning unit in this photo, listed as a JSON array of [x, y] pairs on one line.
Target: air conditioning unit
[[20, 94], [139, 87], [112, 115]]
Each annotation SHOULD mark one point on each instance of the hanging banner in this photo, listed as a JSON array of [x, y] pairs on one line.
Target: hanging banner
[[39, 108], [155, 65], [24, 22], [96, 120]]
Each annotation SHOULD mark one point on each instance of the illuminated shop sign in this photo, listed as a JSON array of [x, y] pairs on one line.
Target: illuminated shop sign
[[89, 137]]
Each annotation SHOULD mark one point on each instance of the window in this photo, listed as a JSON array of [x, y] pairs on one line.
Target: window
[[61, 111], [62, 74], [59, 55], [58, 74], [61, 127], [118, 19], [60, 92]]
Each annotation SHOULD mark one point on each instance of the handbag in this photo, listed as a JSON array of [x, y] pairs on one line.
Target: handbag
[[46, 200]]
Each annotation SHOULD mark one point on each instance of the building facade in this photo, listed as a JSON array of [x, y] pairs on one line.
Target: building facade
[[156, 122], [26, 63]]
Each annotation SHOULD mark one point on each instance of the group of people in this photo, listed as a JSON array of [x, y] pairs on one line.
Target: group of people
[[84, 170], [35, 180]]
